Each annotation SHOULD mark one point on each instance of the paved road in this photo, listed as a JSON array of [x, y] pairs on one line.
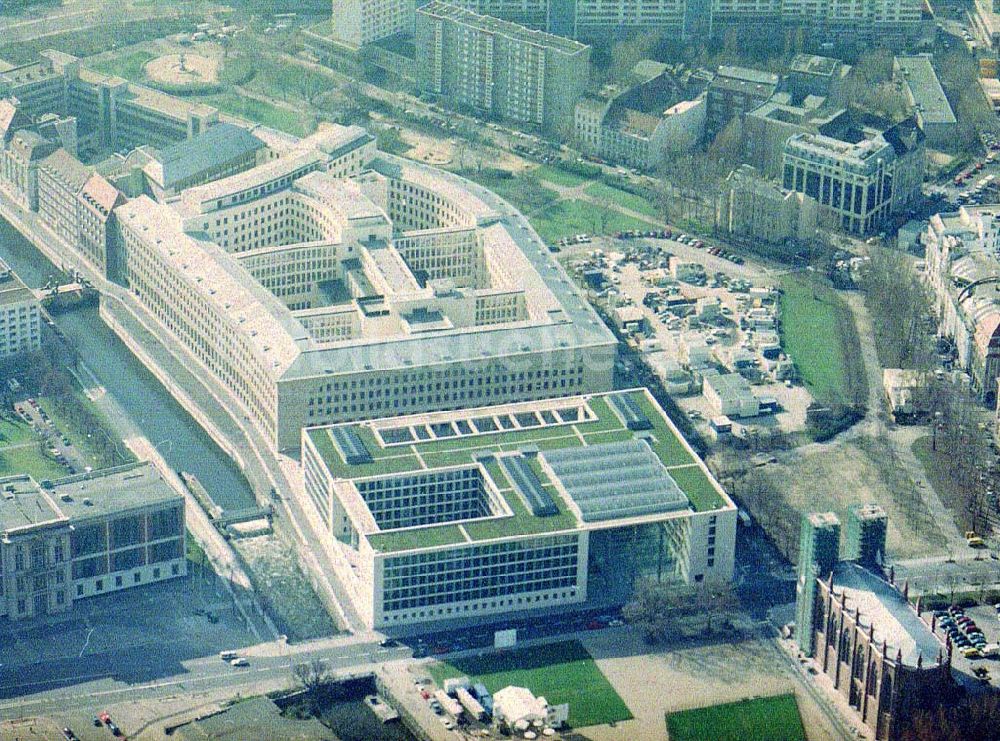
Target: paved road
[[37, 693]]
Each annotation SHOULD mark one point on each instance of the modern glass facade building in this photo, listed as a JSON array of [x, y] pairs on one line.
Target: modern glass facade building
[[513, 507]]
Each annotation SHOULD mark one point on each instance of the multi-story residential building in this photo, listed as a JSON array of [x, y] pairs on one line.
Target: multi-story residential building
[[19, 162], [926, 96], [499, 68], [882, 20], [861, 631], [962, 268], [733, 92], [752, 207], [500, 508], [641, 125], [809, 74], [360, 22], [96, 204], [20, 324], [85, 535], [861, 181]]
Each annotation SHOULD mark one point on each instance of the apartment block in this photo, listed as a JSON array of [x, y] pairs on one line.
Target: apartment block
[[499, 68], [20, 323]]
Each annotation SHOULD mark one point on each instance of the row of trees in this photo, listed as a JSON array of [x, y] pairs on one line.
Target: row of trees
[[898, 303], [658, 608], [974, 718]]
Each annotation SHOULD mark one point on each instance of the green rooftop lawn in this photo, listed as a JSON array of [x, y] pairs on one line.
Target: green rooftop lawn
[[425, 537], [608, 436], [698, 488], [455, 451], [523, 522], [772, 718], [561, 672]]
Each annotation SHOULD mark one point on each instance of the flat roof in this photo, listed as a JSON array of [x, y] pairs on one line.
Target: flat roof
[[27, 503], [925, 89], [569, 321], [815, 65], [536, 430], [881, 606], [730, 385], [493, 25], [12, 288]]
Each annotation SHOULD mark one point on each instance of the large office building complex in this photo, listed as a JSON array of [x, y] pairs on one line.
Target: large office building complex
[[318, 280], [516, 506], [85, 535], [498, 68], [860, 630], [20, 324], [335, 283]]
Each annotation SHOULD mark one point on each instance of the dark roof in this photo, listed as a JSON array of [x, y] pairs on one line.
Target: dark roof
[[219, 144], [905, 136]]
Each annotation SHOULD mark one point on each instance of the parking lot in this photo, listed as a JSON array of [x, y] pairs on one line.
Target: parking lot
[[58, 444], [975, 636], [690, 293]]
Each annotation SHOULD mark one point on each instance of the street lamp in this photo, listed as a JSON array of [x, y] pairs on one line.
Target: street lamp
[[937, 423]]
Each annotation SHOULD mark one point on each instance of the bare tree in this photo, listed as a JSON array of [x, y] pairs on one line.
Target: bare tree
[[312, 675]]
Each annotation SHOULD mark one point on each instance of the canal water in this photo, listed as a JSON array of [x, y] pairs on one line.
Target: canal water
[[181, 441]]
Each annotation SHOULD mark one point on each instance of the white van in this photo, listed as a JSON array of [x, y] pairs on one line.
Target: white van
[[228, 655], [239, 661]]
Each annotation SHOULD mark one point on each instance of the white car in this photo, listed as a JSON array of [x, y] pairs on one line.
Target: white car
[[239, 661]]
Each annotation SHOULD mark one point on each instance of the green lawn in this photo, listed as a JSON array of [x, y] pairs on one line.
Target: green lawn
[[623, 198], [565, 218], [86, 42], [31, 461], [771, 718], [561, 672], [558, 176], [283, 119], [15, 431], [84, 439], [526, 194], [15, 459], [129, 66], [818, 332]]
